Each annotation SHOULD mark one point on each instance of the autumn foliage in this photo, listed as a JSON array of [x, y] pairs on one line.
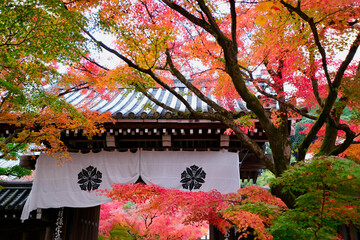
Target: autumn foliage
[[37, 39], [297, 55], [151, 205], [141, 210], [286, 52], [327, 197], [327, 190]]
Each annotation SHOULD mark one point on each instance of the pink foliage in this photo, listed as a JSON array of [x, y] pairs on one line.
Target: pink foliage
[[147, 223], [153, 212]]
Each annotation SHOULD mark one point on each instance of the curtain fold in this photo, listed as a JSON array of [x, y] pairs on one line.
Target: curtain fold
[[192, 171], [73, 183]]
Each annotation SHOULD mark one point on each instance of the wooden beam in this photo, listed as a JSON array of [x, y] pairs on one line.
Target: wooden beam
[[110, 140], [166, 140], [224, 140]]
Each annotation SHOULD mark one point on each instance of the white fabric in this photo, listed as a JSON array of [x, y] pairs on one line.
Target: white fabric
[[57, 186], [165, 169]]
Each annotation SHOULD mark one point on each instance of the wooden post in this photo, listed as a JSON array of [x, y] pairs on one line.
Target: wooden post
[[215, 234]]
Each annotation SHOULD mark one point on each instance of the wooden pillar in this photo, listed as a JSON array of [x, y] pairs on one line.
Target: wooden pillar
[[81, 223], [215, 234]]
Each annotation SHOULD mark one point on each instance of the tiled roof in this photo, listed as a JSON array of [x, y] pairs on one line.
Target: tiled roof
[[130, 104], [8, 163], [13, 196]]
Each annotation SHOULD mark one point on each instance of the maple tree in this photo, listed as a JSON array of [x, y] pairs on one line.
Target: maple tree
[[36, 38], [326, 191], [131, 221], [219, 46], [140, 211]]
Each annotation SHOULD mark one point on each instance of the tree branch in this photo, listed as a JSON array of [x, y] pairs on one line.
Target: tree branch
[[96, 63], [74, 89], [233, 24], [211, 19], [350, 136], [333, 86], [146, 71], [287, 104], [313, 28], [344, 65], [314, 81], [197, 21], [198, 93]]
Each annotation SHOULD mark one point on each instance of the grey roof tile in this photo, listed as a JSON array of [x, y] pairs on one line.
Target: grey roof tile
[[14, 195], [130, 104]]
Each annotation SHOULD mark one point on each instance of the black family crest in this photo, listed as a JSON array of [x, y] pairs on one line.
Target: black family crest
[[193, 177], [89, 178]]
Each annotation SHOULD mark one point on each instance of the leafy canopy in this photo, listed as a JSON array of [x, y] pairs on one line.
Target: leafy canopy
[[151, 212], [261, 52], [38, 38], [327, 196], [326, 191]]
